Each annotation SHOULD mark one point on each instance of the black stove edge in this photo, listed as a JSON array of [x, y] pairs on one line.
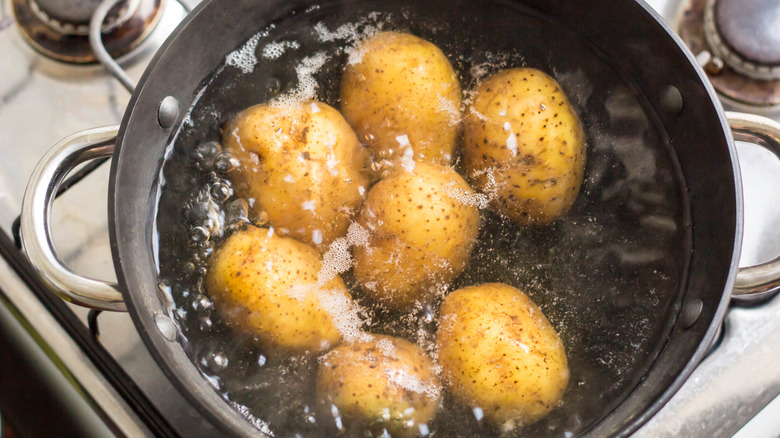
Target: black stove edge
[[102, 360]]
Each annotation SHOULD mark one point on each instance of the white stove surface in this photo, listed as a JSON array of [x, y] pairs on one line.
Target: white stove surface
[[724, 396]]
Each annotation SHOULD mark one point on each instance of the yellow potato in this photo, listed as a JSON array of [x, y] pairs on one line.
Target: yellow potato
[[269, 285], [300, 164], [422, 225], [385, 383], [499, 353], [524, 145], [403, 93]]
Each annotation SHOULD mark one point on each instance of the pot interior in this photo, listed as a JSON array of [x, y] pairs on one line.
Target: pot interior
[[610, 276]]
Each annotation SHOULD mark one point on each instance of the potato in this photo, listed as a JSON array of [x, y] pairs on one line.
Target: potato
[[499, 353], [523, 144], [403, 93], [385, 383], [422, 229], [269, 285], [300, 164]]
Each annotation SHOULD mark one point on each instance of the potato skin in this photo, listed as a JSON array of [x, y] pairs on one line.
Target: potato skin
[[302, 165], [385, 376], [499, 352], [267, 284], [421, 236], [403, 85], [540, 181]]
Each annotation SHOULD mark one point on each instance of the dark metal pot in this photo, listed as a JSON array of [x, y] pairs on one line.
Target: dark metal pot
[[627, 33]]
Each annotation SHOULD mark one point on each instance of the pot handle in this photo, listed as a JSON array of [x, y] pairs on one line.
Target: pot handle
[[36, 235], [764, 278]]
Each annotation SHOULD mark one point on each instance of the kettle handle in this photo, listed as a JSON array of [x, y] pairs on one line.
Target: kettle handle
[[36, 234], [762, 279]]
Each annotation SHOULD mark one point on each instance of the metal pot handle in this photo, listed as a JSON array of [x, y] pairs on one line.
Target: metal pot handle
[[36, 235], [764, 278]]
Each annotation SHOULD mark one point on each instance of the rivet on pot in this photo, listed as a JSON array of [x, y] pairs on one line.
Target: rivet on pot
[[690, 313], [166, 326], [671, 100], [168, 112]]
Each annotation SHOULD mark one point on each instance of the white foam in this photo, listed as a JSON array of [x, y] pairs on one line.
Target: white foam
[[357, 235], [403, 140], [332, 163], [511, 143], [345, 314], [407, 160], [387, 348], [335, 261], [348, 31], [412, 383], [352, 34], [307, 84], [316, 237], [275, 50], [244, 57], [448, 107], [479, 200]]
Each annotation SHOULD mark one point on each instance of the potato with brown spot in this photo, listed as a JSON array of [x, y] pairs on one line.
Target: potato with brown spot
[[269, 285], [524, 146], [383, 383], [403, 88], [498, 352], [302, 165], [422, 229]]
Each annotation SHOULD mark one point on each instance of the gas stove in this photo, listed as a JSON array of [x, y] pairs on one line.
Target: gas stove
[[93, 370]]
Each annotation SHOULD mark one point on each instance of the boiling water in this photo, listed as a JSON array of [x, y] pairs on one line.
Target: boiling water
[[607, 275]]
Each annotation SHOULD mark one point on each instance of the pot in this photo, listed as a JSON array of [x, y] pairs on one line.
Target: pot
[[629, 35]]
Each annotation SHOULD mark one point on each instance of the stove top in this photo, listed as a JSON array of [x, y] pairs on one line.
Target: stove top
[[734, 390]]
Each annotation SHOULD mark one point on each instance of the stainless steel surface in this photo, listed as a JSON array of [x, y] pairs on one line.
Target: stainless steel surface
[[763, 278], [36, 226], [96, 41], [41, 102], [44, 101], [67, 359]]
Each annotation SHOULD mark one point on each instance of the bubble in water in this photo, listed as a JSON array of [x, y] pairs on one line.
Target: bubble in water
[[478, 413], [334, 411], [188, 268], [273, 86], [203, 252], [428, 314], [237, 213], [201, 302], [205, 153], [221, 190], [261, 360], [199, 234], [214, 361], [205, 323], [225, 162]]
